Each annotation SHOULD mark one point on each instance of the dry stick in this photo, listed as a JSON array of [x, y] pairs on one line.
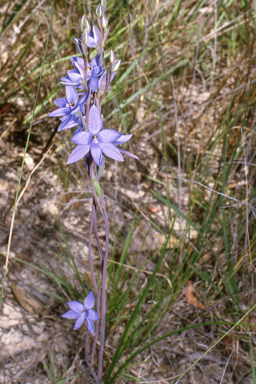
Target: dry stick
[[42, 157], [142, 270], [179, 165]]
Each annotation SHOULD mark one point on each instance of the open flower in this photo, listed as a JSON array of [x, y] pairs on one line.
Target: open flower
[[78, 78], [69, 107], [98, 141], [83, 312]]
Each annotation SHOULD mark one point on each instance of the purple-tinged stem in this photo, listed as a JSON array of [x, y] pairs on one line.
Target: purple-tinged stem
[[86, 354], [96, 331], [95, 378], [90, 255], [96, 233], [103, 301]]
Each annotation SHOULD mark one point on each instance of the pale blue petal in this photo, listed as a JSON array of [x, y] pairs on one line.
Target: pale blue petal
[[79, 321], [94, 84], [84, 98], [122, 139], [72, 122], [71, 93], [68, 82], [81, 70], [78, 153], [71, 315], [64, 122], [89, 301], [61, 102], [65, 117], [96, 71], [60, 112], [108, 136], [82, 138], [76, 306], [95, 61], [128, 153], [92, 315], [96, 153], [90, 42], [78, 60], [111, 151], [90, 326], [95, 120], [75, 78]]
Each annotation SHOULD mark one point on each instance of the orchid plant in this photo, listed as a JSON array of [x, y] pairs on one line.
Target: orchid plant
[[86, 86]]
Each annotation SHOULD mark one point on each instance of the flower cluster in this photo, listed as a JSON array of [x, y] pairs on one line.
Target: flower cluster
[[86, 85]]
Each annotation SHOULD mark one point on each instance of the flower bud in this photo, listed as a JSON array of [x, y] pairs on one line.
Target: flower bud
[[82, 22], [77, 43], [115, 66], [99, 12], [103, 5], [104, 21], [112, 57], [84, 37], [87, 26]]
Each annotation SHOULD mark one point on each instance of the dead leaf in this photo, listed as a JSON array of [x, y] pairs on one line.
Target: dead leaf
[[191, 298], [153, 209], [26, 300]]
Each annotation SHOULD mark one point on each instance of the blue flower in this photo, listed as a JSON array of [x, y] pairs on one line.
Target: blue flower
[[98, 141], [69, 107], [77, 76], [94, 38], [83, 312]]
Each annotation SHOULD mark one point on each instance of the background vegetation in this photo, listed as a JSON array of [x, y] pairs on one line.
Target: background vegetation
[[181, 287]]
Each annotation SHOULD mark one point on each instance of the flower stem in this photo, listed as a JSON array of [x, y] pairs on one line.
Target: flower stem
[[103, 300]]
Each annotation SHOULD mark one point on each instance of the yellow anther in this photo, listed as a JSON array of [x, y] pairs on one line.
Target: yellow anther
[[95, 137], [71, 104]]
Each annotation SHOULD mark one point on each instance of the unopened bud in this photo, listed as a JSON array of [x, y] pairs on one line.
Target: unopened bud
[[104, 21], [115, 66], [83, 21], [103, 5], [112, 57], [99, 12], [84, 37], [87, 26]]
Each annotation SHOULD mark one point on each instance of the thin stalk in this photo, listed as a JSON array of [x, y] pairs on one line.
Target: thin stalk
[[96, 232], [90, 255], [103, 301], [86, 354], [96, 331]]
